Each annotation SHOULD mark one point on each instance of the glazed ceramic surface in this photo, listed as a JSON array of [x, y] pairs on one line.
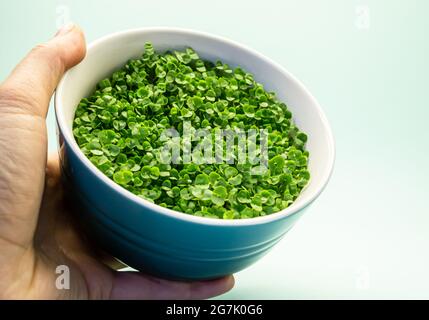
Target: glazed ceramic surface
[[158, 240]]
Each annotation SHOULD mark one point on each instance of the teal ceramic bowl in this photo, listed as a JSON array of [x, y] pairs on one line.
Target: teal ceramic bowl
[[157, 240]]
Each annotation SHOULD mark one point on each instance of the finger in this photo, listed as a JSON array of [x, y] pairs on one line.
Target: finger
[[134, 285], [24, 99], [32, 83], [53, 173], [53, 185]]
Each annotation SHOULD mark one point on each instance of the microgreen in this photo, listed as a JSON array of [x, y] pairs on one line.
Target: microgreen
[[119, 128]]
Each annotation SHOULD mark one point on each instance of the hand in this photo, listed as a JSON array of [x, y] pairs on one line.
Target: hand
[[37, 233]]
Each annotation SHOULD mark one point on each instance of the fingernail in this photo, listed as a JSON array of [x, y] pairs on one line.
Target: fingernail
[[65, 29]]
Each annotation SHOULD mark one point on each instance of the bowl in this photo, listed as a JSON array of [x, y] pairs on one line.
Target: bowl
[[158, 240]]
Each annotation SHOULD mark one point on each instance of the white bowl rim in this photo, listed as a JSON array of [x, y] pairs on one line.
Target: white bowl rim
[[68, 137]]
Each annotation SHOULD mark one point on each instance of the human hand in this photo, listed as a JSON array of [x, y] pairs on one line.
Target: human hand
[[37, 233]]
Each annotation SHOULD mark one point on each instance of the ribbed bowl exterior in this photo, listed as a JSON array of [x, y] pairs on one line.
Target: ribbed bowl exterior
[[159, 244]]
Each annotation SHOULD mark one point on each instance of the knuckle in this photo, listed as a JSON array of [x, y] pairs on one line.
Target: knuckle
[[48, 52], [44, 49], [13, 100]]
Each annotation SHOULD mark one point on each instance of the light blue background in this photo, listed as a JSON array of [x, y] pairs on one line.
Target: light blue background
[[367, 236]]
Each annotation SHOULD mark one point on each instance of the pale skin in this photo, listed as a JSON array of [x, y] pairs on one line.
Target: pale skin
[[37, 231]]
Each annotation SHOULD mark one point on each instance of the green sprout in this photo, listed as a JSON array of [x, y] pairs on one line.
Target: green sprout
[[119, 128]]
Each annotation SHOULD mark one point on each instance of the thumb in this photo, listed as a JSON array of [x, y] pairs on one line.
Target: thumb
[[32, 83], [24, 100]]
